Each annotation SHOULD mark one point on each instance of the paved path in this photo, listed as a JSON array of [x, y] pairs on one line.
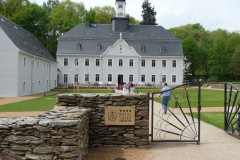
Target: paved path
[[215, 145], [7, 100]]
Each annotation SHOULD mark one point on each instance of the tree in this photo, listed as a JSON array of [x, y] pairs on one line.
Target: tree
[[104, 14], [236, 62], [50, 5], [192, 52], [90, 16], [148, 14]]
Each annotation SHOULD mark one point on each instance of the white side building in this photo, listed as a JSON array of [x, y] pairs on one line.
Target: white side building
[[119, 52], [26, 66]]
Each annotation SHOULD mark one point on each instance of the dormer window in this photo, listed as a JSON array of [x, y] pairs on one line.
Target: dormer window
[[78, 47], [162, 49], [142, 48], [99, 46]]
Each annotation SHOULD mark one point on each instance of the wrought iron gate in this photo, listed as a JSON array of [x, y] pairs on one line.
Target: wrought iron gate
[[175, 125], [231, 110]]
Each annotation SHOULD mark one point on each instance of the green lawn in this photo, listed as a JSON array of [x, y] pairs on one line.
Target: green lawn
[[209, 98], [214, 118], [40, 104]]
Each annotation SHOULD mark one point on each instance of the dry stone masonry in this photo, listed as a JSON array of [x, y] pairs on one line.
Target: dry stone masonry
[[101, 135], [56, 135], [76, 123]]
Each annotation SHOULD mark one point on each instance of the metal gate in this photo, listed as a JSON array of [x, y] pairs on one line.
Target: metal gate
[[175, 125], [231, 110]]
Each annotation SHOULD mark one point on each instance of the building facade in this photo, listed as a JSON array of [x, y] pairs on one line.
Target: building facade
[[26, 66], [119, 52]]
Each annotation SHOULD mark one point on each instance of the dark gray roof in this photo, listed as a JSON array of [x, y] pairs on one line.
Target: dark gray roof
[[152, 37], [23, 39]]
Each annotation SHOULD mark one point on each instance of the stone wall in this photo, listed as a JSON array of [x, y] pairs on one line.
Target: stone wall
[[58, 135], [101, 135], [217, 86]]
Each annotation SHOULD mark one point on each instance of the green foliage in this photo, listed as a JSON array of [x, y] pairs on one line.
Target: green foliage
[[236, 62], [192, 52], [90, 16], [148, 14], [104, 14]]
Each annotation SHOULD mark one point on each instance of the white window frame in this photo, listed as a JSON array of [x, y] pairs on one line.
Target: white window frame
[[142, 62], [165, 78], [175, 63], [144, 78], [87, 78], [76, 63], [119, 62], [96, 77], [131, 64], [154, 63], [64, 79], [175, 78], [130, 80], [98, 64], [162, 48], [110, 62], [88, 62], [142, 48], [154, 78], [64, 61], [74, 78], [38, 63], [110, 75], [165, 63], [33, 63]]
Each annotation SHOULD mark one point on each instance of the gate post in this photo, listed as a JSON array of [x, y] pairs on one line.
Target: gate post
[[225, 109]]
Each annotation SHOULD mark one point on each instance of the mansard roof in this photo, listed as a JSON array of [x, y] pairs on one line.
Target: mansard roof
[[24, 40], [153, 37]]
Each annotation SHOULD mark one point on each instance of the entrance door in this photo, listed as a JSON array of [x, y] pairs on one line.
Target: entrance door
[[120, 79]]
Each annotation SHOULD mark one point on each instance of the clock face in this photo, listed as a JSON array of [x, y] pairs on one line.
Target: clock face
[[112, 116]]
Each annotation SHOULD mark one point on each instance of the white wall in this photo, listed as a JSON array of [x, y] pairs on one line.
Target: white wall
[[114, 53], [8, 66], [32, 74]]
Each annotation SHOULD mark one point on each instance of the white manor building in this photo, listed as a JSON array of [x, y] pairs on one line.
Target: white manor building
[[119, 52], [26, 66]]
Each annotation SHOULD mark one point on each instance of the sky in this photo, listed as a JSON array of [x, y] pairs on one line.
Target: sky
[[211, 14]]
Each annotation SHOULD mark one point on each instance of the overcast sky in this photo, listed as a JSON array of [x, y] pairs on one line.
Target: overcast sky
[[212, 14]]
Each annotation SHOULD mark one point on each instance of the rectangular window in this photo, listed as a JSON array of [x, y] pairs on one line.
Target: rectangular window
[[142, 48], [65, 62], [86, 62], [162, 49], [109, 62], [164, 63], [97, 77], [24, 61], [65, 78], [98, 47], [164, 79], [32, 63], [97, 62], [109, 78], [153, 78], [143, 78], [120, 62], [75, 78], [130, 78], [174, 63], [143, 63], [49, 67], [174, 78], [153, 63], [39, 82], [78, 47], [24, 86], [86, 77], [131, 63], [76, 62]]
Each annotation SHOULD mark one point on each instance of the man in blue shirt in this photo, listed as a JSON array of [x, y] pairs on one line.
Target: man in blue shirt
[[166, 96]]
